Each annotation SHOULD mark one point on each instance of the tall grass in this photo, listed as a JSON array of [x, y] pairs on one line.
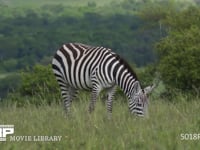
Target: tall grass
[[162, 130]]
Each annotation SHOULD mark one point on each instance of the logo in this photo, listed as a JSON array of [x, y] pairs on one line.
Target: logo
[[9, 129], [5, 130]]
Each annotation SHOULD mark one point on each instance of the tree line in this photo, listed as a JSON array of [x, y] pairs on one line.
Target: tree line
[[159, 31], [29, 39]]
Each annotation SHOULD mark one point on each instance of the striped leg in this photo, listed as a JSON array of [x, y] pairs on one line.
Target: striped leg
[[111, 93], [68, 93], [95, 92], [96, 89]]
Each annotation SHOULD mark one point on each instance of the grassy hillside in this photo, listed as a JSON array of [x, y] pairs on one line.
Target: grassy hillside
[[83, 131], [38, 3]]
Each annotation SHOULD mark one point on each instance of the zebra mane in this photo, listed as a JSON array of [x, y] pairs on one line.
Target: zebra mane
[[86, 46], [124, 62]]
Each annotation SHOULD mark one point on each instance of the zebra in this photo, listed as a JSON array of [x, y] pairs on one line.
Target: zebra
[[78, 66]]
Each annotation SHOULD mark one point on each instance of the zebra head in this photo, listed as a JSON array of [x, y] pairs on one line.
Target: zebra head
[[139, 101]]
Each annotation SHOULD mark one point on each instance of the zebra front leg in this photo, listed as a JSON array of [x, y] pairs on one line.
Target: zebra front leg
[[111, 92]]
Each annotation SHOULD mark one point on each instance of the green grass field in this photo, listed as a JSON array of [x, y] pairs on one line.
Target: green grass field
[[162, 130]]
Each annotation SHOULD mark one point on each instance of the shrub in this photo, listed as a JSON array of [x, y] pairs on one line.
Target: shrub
[[179, 52], [39, 83]]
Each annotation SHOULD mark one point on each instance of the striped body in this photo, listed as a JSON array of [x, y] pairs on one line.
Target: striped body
[[79, 66]]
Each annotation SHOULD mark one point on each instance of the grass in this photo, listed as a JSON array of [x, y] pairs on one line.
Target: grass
[[83, 131]]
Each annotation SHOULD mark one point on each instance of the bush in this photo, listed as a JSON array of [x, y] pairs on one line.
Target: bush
[[147, 75], [39, 83], [179, 53], [180, 64], [10, 83]]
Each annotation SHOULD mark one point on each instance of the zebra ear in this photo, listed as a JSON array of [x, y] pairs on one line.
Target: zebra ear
[[137, 86], [149, 89]]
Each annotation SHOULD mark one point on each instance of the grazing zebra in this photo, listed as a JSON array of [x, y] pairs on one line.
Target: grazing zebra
[[79, 66]]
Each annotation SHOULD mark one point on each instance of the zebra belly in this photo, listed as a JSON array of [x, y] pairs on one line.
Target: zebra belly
[[77, 84], [79, 81]]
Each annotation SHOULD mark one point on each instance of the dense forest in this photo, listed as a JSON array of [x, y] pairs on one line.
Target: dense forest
[[32, 37], [26, 40], [30, 33]]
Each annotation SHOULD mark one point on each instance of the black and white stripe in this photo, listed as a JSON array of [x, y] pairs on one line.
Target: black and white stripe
[[79, 66]]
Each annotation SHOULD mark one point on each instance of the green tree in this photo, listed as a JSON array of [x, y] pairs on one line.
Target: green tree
[[179, 52]]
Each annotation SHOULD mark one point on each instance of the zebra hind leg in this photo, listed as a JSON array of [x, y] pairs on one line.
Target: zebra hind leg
[[68, 94], [95, 93], [111, 92]]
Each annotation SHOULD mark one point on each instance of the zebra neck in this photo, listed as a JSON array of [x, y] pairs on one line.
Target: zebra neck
[[126, 81], [130, 89]]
